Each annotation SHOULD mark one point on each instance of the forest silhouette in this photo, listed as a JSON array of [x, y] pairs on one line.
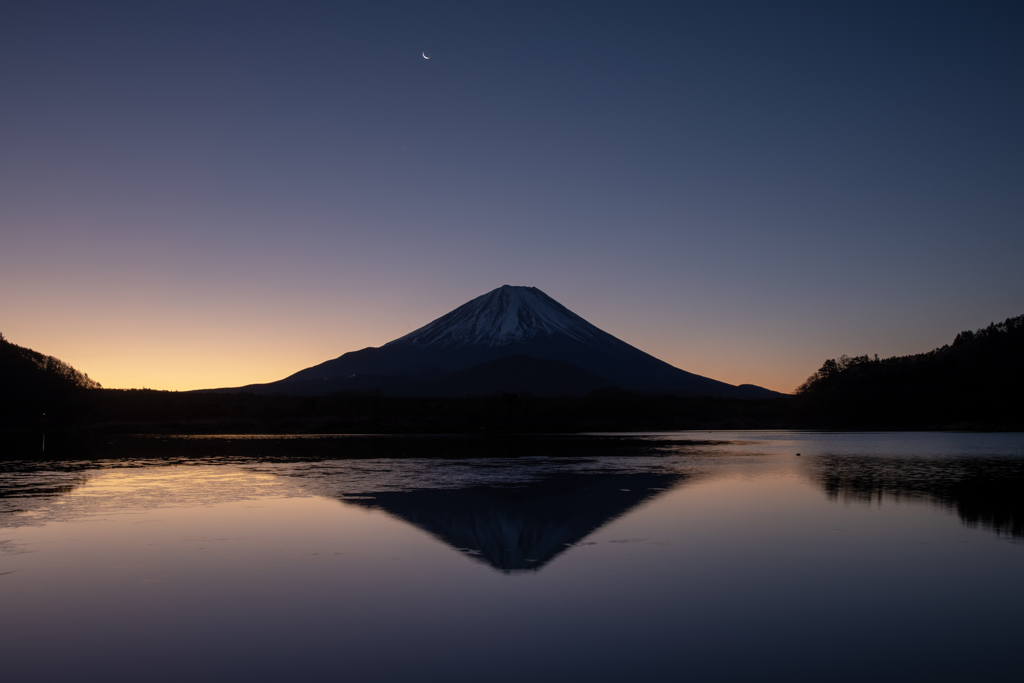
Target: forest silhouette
[[974, 382]]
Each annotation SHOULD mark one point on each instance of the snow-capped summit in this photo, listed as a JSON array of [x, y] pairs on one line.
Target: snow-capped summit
[[506, 315]]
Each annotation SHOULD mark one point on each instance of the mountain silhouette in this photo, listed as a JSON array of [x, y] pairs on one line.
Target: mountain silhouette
[[504, 323], [514, 374]]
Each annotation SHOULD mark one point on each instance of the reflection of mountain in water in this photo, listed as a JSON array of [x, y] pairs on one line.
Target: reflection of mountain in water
[[522, 527], [986, 492]]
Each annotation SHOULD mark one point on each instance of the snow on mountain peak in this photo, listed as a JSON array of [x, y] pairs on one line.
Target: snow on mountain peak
[[505, 315]]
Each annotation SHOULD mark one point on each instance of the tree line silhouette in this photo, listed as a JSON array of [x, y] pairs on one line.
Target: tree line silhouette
[[28, 374], [975, 382]]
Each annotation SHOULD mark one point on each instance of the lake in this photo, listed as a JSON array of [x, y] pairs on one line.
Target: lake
[[669, 556]]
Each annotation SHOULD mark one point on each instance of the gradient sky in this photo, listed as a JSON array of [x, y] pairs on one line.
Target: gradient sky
[[212, 194]]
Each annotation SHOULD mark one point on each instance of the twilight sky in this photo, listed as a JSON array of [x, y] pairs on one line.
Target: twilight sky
[[201, 194]]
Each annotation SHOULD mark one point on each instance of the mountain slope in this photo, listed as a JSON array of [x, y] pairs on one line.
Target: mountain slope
[[27, 373], [514, 374], [34, 385], [508, 321]]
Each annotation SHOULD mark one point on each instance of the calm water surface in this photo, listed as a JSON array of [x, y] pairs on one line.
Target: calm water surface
[[697, 556]]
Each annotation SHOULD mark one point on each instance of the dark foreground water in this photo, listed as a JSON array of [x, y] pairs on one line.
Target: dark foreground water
[[684, 556]]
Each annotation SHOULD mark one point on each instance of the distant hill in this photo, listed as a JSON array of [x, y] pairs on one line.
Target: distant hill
[[506, 322], [975, 382]]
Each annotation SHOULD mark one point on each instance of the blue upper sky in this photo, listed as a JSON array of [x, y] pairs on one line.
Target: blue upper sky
[[217, 193]]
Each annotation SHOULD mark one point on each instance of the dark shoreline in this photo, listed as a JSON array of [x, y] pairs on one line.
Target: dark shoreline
[[21, 446], [90, 417], [70, 446]]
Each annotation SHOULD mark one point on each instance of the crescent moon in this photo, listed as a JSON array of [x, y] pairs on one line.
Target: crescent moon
[[425, 55]]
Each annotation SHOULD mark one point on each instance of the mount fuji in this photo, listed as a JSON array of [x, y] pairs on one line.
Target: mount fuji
[[512, 339]]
